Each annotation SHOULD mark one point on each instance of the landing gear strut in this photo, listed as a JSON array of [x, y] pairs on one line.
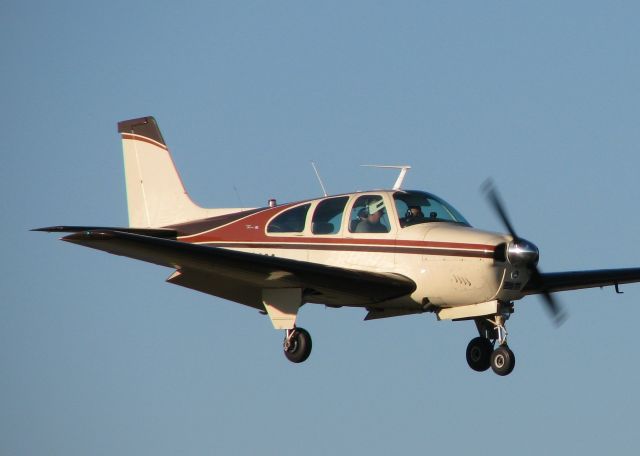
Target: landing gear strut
[[480, 352], [297, 345]]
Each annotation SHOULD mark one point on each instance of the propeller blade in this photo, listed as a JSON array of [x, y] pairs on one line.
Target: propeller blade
[[555, 309], [491, 192], [553, 306]]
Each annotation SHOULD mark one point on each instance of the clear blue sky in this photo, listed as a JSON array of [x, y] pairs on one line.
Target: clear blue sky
[[98, 356]]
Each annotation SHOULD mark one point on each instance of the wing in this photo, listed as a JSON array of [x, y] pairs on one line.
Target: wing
[[241, 276], [575, 280]]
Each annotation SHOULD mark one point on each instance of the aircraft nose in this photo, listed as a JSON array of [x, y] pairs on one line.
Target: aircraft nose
[[523, 253]]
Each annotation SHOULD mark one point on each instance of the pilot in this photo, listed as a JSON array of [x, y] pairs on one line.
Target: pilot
[[414, 215], [372, 223]]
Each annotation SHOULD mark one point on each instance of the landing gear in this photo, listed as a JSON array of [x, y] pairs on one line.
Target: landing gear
[[503, 360], [480, 352], [297, 345]]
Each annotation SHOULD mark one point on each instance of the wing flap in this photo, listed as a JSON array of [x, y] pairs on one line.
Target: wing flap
[[207, 268], [230, 289]]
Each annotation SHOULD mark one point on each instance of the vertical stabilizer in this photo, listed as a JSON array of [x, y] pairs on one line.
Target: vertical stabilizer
[[156, 196]]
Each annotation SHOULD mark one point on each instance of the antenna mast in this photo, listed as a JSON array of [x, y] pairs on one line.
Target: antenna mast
[[324, 191], [403, 172]]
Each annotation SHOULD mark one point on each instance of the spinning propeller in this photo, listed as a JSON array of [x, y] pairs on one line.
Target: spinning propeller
[[522, 252]]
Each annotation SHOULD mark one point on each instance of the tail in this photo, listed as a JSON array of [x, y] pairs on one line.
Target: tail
[[156, 196]]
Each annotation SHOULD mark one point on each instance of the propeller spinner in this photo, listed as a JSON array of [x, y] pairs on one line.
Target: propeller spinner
[[522, 252]]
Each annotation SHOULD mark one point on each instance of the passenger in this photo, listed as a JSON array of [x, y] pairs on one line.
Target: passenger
[[372, 223]]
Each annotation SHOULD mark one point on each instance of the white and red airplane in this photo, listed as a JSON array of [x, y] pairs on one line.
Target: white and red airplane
[[392, 252]]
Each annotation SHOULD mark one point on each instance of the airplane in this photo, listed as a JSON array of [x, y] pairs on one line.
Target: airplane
[[391, 252]]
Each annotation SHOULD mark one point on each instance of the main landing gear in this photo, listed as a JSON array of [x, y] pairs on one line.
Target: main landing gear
[[282, 305], [480, 351], [297, 345]]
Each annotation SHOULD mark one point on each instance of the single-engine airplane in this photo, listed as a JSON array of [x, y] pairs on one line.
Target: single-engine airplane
[[392, 252]]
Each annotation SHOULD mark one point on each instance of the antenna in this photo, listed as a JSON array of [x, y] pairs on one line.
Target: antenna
[[238, 195], [403, 172], [319, 178]]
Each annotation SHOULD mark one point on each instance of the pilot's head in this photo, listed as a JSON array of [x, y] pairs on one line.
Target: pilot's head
[[375, 210]]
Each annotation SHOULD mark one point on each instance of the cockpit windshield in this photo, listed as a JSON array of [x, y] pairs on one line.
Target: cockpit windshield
[[421, 207]]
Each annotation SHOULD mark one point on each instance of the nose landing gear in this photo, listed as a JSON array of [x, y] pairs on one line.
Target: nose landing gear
[[503, 360], [480, 352]]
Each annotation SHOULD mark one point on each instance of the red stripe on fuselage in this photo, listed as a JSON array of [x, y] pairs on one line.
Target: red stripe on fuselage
[[250, 233], [366, 246]]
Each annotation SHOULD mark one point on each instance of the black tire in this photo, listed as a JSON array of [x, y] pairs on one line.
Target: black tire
[[503, 360], [300, 347], [479, 354]]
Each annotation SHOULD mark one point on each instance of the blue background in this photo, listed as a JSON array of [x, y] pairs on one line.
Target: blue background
[[99, 356]]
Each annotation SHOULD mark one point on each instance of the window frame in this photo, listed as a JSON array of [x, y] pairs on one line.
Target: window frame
[[390, 214]]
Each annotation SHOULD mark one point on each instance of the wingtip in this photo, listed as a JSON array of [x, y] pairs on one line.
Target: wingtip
[[47, 229]]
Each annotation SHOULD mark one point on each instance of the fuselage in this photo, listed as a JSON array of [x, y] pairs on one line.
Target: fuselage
[[451, 263]]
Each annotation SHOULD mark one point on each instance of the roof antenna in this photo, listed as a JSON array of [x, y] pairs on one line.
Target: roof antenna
[[238, 195], [324, 190], [403, 172]]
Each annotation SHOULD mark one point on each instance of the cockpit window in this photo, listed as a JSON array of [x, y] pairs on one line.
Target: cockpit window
[[327, 217], [290, 221], [421, 207]]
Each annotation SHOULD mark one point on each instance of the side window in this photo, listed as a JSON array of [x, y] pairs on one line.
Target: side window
[[327, 217], [369, 215], [412, 207], [402, 208], [420, 207], [290, 221]]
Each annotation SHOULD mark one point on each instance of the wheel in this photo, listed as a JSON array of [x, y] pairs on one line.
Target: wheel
[[479, 354], [297, 348], [503, 360]]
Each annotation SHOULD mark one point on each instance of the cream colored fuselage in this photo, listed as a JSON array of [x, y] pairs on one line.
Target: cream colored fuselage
[[452, 264]]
